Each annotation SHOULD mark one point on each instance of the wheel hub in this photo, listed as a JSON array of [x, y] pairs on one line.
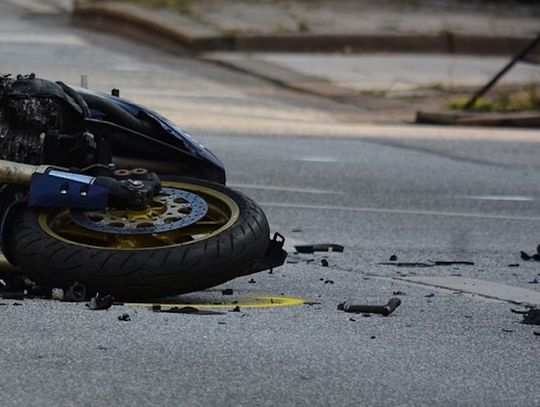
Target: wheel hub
[[172, 209]]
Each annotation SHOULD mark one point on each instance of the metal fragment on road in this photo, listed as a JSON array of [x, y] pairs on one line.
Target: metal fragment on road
[[319, 247], [384, 310]]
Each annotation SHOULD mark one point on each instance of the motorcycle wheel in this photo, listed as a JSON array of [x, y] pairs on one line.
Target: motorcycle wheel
[[226, 243]]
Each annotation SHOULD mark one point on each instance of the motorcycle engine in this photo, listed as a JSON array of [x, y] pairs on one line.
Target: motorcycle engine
[[41, 124]]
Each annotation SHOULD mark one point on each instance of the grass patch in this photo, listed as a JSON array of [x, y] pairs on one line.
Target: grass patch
[[525, 99], [180, 6]]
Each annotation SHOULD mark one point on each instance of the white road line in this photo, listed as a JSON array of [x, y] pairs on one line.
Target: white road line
[[483, 288], [317, 159], [513, 198], [399, 211], [284, 189], [40, 38], [33, 6]]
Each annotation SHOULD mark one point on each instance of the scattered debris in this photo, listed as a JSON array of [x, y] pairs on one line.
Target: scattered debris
[[507, 330], [16, 304], [328, 282], [373, 337], [98, 303], [454, 263], [535, 281], [235, 309], [222, 323], [430, 263], [399, 293], [468, 316], [366, 315], [17, 295], [324, 263], [531, 317], [429, 295], [311, 303], [352, 319], [525, 256], [124, 317], [184, 310], [384, 310], [536, 333], [75, 293], [320, 247], [227, 291], [57, 294], [407, 264], [297, 230], [290, 262], [536, 256], [513, 265], [393, 258], [252, 281]]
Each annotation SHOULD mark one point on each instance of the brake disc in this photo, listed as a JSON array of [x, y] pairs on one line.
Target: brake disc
[[172, 209]]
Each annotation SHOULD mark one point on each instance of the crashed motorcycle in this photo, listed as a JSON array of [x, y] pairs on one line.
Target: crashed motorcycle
[[101, 192]]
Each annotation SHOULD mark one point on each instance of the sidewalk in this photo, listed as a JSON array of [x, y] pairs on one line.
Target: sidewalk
[[324, 25], [452, 46]]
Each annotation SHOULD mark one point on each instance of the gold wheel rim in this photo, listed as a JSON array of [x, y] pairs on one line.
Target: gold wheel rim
[[223, 212]]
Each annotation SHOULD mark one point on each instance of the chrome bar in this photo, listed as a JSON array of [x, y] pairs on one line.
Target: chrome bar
[[16, 173]]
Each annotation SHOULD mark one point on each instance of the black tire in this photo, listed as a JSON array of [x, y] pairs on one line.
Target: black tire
[[142, 272]]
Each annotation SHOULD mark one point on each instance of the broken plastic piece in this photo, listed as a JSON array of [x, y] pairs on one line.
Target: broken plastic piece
[[57, 294], [384, 310], [76, 293], [17, 295], [185, 310], [532, 316], [320, 247], [525, 256], [97, 303]]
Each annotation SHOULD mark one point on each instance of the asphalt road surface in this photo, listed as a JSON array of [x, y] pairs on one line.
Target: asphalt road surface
[[422, 194]]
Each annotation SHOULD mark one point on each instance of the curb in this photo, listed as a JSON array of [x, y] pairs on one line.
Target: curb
[[518, 119], [148, 26]]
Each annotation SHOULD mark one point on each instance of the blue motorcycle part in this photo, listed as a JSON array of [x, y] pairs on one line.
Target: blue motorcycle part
[[49, 191]]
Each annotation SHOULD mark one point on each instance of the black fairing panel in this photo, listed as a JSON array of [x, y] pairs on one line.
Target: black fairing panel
[[150, 138]]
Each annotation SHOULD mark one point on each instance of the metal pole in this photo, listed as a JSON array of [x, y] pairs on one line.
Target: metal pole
[[497, 76]]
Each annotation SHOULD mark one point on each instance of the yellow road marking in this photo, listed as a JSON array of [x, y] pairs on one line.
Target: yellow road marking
[[250, 302]]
